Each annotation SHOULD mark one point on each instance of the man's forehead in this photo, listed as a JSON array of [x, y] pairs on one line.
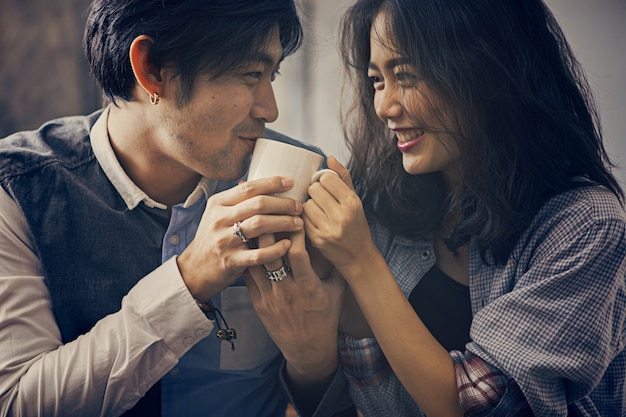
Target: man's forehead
[[265, 57], [270, 52]]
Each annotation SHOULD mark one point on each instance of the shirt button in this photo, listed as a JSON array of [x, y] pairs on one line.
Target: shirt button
[[425, 254], [188, 341], [174, 240]]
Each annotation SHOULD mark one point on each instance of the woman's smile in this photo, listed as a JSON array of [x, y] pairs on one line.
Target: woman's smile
[[408, 138]]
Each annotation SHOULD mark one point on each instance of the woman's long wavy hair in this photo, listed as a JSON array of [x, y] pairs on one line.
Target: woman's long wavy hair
[[525, 122]]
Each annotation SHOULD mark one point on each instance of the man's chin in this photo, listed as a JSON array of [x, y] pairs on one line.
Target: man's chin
[[233, 176]]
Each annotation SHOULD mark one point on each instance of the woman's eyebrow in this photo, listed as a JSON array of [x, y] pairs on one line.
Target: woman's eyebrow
[[390, 64]]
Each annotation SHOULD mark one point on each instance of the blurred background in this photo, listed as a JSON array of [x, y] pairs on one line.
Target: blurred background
[[43, 74]]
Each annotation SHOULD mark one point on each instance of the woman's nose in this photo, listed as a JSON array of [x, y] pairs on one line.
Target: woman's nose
[[387, 103]]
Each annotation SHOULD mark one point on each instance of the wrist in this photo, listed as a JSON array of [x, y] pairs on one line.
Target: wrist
[[307, 392], [200, 289], [312, 374], [364, 265]]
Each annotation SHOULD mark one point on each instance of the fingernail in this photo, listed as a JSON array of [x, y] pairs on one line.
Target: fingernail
[[298, 221], [298, 207], [287, 182]]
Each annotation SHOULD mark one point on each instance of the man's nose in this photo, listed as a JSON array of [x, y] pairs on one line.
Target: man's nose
[[265, 106]]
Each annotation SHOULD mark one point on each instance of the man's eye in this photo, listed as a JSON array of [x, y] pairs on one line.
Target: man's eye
[[275, 74], [255, 74]]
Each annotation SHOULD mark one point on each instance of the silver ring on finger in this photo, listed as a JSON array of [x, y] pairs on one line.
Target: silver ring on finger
[[237, 232], [278, 274]]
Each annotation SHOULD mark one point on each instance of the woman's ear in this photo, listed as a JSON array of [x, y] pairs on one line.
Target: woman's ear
[[148, 75]]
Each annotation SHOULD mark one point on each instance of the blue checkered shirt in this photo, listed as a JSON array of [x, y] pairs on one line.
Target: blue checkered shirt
[[547, 335]]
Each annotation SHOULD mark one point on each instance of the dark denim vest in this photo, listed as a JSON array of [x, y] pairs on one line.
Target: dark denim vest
[[93, 249]]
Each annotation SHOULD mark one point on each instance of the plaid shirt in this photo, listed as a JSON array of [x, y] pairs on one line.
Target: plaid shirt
[[548, 327]]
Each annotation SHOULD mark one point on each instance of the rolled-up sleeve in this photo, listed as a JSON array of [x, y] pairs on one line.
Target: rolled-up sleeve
[[557, 329], [484, 390], [374, 388]]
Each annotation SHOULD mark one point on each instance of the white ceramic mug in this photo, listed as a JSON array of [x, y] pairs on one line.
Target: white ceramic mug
[[273, 158]]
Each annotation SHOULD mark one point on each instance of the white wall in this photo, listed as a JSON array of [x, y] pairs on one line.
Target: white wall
[[596, 30], [308, 90]]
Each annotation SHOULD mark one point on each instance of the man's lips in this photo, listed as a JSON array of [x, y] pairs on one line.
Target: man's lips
[[252, 137], [250, 141]]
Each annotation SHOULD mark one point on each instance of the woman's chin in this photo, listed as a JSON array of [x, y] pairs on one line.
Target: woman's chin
[[411, 167]]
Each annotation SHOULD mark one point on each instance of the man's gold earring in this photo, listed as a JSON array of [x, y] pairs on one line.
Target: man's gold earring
[[155, 98]]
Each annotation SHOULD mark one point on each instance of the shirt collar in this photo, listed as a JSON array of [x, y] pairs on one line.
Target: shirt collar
[[126, 188]]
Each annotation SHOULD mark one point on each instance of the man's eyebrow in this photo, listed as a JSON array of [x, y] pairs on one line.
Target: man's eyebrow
[[264, 58]]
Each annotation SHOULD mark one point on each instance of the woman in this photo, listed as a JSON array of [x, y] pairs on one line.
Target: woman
[[480, 178]]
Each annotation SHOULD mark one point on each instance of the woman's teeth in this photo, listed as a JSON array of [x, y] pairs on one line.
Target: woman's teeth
[[409, 136]]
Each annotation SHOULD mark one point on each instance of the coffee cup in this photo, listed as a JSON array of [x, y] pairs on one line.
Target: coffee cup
[[318, 174], [274, 158]]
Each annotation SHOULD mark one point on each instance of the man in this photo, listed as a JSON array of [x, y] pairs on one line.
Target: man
[[123, 234]]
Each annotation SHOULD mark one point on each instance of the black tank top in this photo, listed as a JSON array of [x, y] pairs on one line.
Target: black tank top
[[444, 307]]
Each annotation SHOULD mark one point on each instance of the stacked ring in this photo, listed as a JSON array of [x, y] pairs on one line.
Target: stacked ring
[[237, 232], [278, 274]]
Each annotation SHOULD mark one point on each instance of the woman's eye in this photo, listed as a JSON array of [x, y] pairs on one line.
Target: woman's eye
[[376, 81], [406, 78]]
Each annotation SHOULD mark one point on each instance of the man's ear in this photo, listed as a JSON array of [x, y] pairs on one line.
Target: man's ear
[[148, 75]]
